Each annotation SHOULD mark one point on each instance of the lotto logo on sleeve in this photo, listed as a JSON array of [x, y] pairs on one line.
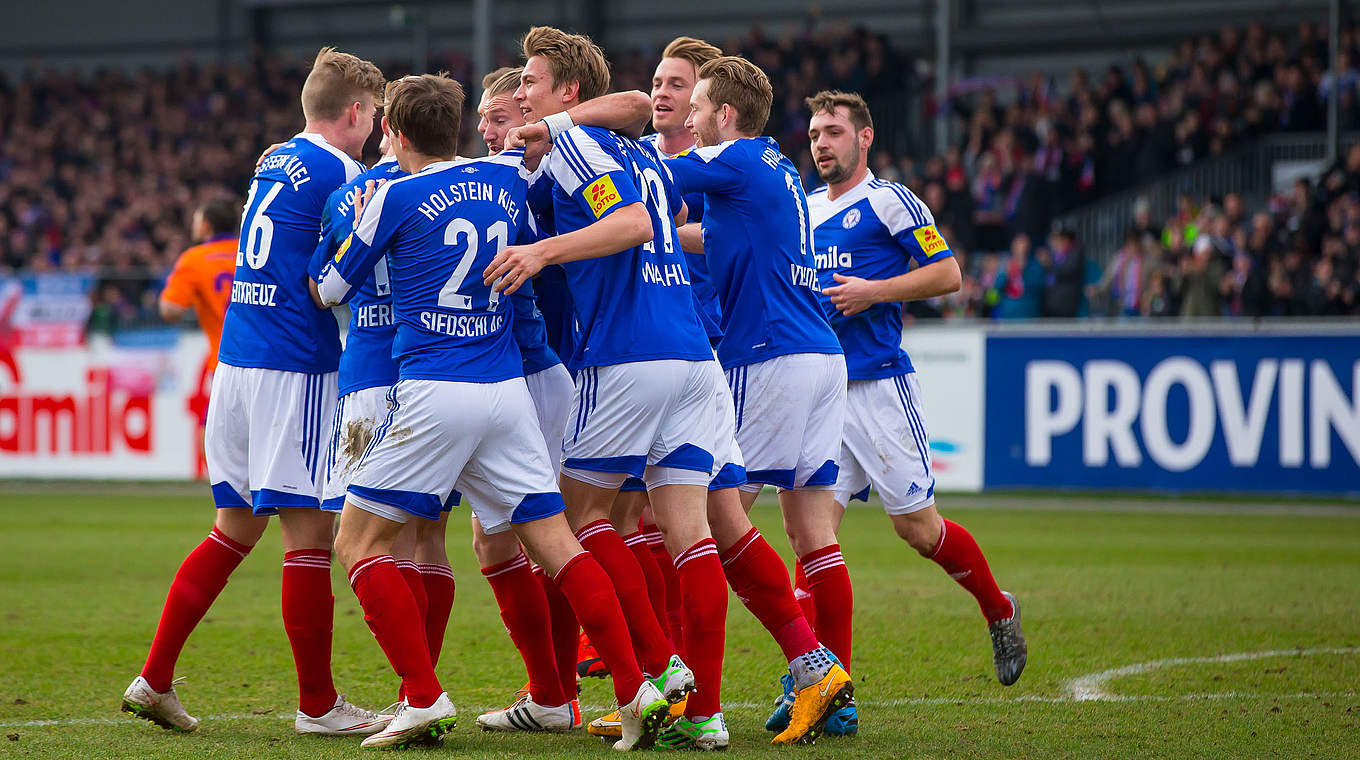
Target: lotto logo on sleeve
[[930, 240], [343, 247], [602, 196]]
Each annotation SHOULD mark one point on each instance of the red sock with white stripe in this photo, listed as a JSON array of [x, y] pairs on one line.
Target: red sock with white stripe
[[656, 585], [390, 611], [758, 577], [701, 581], [675, 606], [961, 557], [439, 587], [308, 619], [200, 578], [410, 572], [829, 583], [595, 601], [524, 610], [565, 632], [649, 641], [803, 595]]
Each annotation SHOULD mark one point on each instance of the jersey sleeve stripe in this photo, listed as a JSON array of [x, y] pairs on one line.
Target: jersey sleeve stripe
[[566, 158], [567, 143], [595, 159]]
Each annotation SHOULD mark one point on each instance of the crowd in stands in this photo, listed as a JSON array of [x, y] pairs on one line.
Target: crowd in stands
[[101, 172]]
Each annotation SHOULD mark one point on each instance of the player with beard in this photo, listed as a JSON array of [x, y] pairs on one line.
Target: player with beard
[[867, 233]]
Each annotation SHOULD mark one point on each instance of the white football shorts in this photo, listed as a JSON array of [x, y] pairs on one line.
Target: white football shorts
[[790, 410], [481, 439], [357, 416], [886, 445], [552, 390], [658, 420], [265, 437]]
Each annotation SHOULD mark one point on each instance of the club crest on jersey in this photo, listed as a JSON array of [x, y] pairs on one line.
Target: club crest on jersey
[[343, 247], [602, 196], [850, 219], [930, 240]]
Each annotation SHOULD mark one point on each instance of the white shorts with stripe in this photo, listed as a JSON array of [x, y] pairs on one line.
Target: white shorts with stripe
[[552, 390], [265, 437], [790, 410], [357, 416], [886, 445], [661, 421], [482, 439]]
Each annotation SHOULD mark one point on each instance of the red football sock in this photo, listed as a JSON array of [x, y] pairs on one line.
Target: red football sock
[[701, 581], [391, 614], [595, 601], [803, 595], [829, 582], [759, 579], [200, 578], [410, 572], [565, 632], [439, 587], [524, 610], [603, 542], [960, 556], [308, 619], [656, 584], [674, 600]]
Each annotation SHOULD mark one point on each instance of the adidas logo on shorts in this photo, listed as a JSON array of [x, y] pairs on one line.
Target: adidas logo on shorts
[[915, 489]]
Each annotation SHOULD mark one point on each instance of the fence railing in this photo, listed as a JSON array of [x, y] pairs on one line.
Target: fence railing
[[1249, 170]]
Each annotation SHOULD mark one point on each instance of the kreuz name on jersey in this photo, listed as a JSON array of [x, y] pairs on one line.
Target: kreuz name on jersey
[[441, 199], [804, 276], [670, 274], [253, 293], [290, 165], [461, 326], [834, 258]]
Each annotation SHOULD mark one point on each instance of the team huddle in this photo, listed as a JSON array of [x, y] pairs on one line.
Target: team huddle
[[606, 345]]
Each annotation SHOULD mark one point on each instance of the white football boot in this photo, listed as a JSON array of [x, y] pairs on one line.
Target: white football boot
[[344, 719], [642, 718], [415, 725], [159, 707], [527, 715]]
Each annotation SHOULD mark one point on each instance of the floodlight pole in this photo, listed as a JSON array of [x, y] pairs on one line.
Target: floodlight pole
[[943, 15]]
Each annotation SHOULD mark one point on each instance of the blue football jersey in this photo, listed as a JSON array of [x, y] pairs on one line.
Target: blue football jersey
[[367, 359], [758, 242], [635, 305], [705, 297], [272, 322], [440, 228], [875, 231]]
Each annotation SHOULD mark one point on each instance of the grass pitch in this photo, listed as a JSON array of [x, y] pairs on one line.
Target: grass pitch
[[1193, 629]]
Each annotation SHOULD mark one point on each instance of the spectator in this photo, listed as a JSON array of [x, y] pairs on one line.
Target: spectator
[[1122, 284], [1020, 283], [1200, 276], [1065, 269]]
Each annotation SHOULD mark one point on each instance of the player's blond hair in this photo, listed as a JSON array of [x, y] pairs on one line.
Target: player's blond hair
[[337, 81], [827, 101], [737, 82], [428, 110], [570, 58], [502, 80], [695, 51]]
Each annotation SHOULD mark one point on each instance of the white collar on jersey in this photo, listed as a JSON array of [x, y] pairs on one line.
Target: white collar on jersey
[[823, 208]]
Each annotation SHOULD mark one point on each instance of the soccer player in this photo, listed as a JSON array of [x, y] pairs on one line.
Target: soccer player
[[648, 390], [867, 233], [460, 415], [272, 402], [784, 365], [201, 280]]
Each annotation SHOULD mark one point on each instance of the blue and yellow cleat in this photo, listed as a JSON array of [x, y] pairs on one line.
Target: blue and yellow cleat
[[844, 722]]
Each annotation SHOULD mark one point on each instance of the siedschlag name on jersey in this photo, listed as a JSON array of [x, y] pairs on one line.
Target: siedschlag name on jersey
[[441, 199], [253, 293], [290, 164], [461, 326]]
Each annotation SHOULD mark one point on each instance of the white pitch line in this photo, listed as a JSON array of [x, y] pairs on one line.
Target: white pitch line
[[870, 703], [1091, 687]]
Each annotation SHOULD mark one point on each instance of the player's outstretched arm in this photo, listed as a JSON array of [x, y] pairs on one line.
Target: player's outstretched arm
[[627, 227], [856, 294]]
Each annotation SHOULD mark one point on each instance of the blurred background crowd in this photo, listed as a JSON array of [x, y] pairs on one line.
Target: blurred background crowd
[[101, 172]]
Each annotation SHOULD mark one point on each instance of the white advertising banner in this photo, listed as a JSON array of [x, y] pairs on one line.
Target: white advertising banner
[[105, 410], [950, 365]]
